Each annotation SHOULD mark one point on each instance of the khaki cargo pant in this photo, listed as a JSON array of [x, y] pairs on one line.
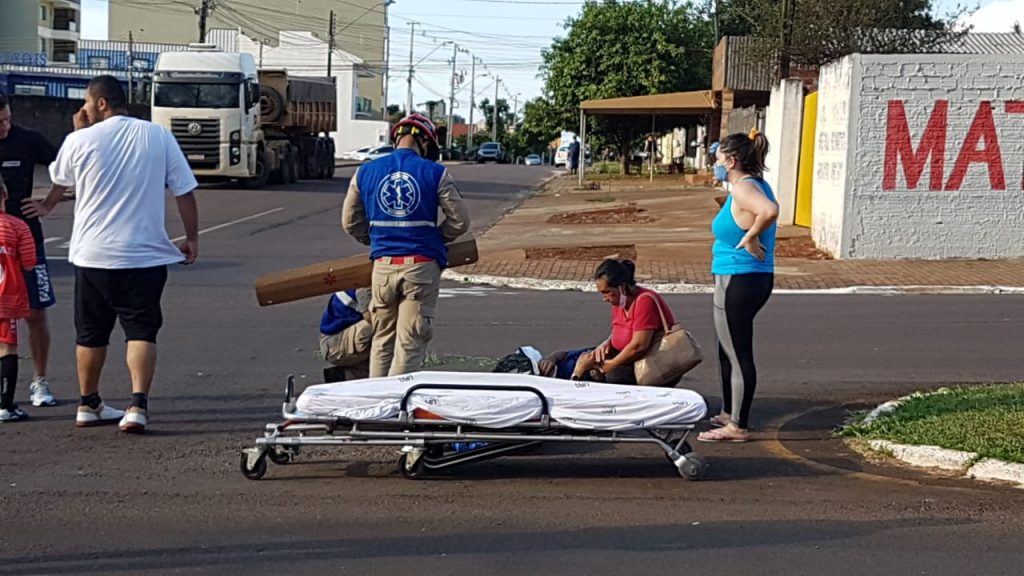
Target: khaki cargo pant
[[349, 349], [402, 310]]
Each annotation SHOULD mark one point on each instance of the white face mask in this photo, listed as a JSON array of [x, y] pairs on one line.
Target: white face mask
[[622, 297]]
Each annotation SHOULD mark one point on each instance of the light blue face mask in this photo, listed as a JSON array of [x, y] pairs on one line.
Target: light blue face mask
[[721, 173]]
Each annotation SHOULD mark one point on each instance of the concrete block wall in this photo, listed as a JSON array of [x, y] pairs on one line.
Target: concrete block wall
[[935, 158], [783, 125], [831, 150]]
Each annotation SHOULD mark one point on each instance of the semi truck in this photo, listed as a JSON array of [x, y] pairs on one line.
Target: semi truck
[[237, 122]]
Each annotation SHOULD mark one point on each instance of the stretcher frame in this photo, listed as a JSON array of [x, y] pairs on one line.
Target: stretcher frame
[[424, 440]]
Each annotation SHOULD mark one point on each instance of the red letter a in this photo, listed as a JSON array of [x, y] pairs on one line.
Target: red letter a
[[983, 128]]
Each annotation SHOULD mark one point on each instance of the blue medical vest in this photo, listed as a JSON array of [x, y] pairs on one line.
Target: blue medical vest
[[341, 313], [400, 195]]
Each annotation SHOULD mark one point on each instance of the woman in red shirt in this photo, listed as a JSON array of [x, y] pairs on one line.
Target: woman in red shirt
[[636, 320]]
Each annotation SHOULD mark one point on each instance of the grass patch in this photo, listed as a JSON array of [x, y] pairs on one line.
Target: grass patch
[[988, 420], [457, 363], [602, 199]]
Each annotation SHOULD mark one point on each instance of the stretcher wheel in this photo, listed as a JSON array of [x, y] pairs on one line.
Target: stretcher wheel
[[693, 467], [683, 451], [258, 470], [280, 456], [412, 471]]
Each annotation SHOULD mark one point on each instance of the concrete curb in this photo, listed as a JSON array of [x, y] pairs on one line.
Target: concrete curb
[[683, 288], [966, 464]]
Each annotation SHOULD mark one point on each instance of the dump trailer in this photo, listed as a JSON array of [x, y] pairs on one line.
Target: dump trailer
[[236, 122]]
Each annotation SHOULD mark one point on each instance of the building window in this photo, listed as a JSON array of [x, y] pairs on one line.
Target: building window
[[29, 90], [99, 62], [42, 13], [76, 93]]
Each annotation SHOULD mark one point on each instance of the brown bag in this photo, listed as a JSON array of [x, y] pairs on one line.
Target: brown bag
[[673, 353]]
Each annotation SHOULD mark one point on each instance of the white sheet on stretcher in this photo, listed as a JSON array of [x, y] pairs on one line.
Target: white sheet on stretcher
[[578, 405]]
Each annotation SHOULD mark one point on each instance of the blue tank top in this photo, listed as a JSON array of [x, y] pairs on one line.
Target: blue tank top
[[726, 259]]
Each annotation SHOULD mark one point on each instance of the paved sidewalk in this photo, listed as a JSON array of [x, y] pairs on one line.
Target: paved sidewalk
[[667, 232]]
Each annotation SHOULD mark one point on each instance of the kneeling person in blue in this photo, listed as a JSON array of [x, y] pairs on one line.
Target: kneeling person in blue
[[346, 333], [392, 205]]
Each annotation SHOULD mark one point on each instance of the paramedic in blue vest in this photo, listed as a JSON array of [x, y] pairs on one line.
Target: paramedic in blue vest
[[743, 264], [392, 205], [346, 332]]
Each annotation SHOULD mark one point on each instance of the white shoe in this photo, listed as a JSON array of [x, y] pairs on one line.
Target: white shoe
[[99, 417], [134, 422], [39, 393]]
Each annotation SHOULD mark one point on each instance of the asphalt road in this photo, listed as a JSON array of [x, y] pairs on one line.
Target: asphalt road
[[793, 502]]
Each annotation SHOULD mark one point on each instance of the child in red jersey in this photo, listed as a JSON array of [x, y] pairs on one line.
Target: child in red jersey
[[17, 254]]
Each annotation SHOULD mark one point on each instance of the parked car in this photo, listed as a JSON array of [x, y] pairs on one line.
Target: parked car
[[532, 160], [378, 152], [490, 152], [357, 154], [562, 156]]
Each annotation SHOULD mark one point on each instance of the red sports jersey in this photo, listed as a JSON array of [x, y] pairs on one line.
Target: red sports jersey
[[17, 254]]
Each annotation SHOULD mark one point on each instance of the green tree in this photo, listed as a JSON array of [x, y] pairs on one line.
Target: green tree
[[539, 126], [826, 30], [395, 113], [504, 117], [616, 48]]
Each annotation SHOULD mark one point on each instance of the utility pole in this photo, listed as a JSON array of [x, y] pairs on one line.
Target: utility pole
[[203, 11], [412, 38], [788, 14], [494, 128], [131, 66], [331, 39], [515, 111], [451, 97], [472, 105]]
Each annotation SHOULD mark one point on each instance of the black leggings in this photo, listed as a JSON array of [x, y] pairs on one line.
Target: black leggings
[[738, 299]]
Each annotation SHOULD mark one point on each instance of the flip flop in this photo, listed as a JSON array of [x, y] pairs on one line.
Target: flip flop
[[718, 435], [719, 421]]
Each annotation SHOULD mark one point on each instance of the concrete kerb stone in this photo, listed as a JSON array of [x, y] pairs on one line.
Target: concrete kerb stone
[[541, 284], [966, 464]]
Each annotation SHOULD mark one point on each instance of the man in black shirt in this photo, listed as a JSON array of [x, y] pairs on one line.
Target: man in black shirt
[[20, 151]]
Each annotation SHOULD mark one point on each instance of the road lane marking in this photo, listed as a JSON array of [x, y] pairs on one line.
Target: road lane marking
[[232, 223], [52, 240], [67, 245]]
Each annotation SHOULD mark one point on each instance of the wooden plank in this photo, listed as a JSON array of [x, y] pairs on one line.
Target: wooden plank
[[338, 275]]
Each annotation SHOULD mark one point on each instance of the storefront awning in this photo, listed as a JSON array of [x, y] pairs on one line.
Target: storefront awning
[[695, 103]]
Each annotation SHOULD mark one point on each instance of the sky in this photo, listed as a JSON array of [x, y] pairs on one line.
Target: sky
[[507, 36]]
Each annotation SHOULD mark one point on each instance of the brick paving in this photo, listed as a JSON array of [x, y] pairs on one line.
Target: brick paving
[[502, 247]]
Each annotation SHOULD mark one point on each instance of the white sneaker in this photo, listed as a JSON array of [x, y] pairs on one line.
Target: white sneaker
[[39, 393], [15, 414], [134, 422], [99, 417]]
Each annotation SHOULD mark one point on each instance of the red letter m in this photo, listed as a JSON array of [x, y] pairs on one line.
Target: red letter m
[[898, 147]]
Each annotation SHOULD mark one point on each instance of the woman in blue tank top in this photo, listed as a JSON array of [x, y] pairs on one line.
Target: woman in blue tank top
[[743, 263]]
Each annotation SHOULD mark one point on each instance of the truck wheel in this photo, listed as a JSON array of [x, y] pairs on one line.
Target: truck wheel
[[327, 164], [279, 176], [318, 162], [293, 165], [259, 180], [272, 104]]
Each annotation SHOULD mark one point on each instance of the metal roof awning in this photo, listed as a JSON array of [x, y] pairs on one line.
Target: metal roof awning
[[695, 103]]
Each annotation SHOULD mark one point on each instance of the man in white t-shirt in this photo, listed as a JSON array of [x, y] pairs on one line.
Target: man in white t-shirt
[[120, 168]]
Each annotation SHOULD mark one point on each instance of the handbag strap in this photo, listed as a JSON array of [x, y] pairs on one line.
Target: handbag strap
[[657, 304]]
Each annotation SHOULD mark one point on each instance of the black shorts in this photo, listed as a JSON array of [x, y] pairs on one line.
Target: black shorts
[[104, 296]]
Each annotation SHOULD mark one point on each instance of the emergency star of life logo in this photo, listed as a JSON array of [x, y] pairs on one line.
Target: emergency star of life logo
[[398, 195]]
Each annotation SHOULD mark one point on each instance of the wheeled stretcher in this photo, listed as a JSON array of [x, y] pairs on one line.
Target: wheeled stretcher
[[433, 416]]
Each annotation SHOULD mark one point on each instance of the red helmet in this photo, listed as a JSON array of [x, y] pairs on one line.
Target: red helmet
[[417, 125]]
